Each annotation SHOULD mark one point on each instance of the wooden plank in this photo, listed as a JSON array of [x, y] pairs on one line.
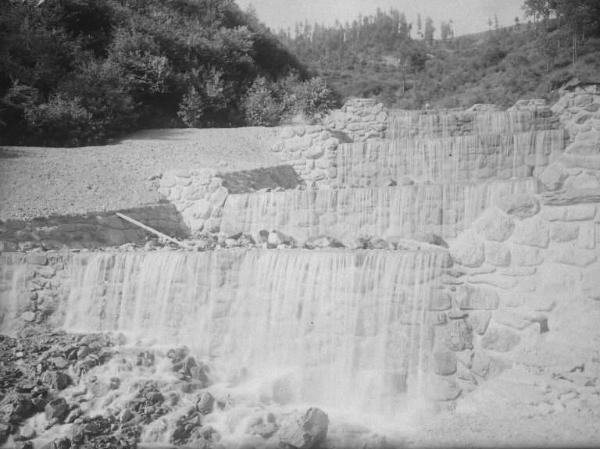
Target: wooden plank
[[149, 229]]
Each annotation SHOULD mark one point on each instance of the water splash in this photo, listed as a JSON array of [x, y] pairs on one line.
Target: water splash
[[444, 209], [337, 328]]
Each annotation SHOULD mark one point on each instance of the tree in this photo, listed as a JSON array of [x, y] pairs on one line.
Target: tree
[[429, 31], [580, 17], [445, 31]]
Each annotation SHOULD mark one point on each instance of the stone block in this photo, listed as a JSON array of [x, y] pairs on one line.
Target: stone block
[[495, 225], [580, 212], [323, 163], [443, 389], [481, 364], [587, 235], [518, 271], [47, 271], [200, 209], [439, 300], [168, 180], [444, 363], [590, 285], [468, 250], [37, 259], [569, 254], [194, 193], [500, 339], [465, 358], [286, 132], [512, 319], [583, 181], [457, 335], [512, 299], [519, 205], [532, 232], [479, 320], [564, 232], [314, 152], [526, 256], [553, 176], [541, 303], [165, 192], [494, 280], [471, 297]]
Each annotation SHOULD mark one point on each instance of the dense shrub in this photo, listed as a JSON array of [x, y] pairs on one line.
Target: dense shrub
[[311, 98], [268, 103], [261, 106], [59, 119], [87, 70]]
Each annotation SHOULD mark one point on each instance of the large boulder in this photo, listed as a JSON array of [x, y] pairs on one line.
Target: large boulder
[[519, 205], [56, 410], [304, 431], [587, 143], [471, 297], [444, 363], [495, 225], [468, 250], [322, 242], [500, 339], [532, 232]]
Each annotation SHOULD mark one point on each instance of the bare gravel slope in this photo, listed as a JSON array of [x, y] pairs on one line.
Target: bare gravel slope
[[36, 182]]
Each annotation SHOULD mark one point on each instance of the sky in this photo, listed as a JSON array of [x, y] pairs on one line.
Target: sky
[[469, 16]]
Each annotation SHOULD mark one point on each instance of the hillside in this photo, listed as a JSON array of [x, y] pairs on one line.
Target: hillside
[[75, 72], [381, 57]]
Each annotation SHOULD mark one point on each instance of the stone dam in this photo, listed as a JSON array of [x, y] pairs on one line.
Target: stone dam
[[395, 261]]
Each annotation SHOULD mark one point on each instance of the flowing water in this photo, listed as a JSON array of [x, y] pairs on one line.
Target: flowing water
[[336, 328], [344, 330], [461, 158], [444, 209], [445, 123]]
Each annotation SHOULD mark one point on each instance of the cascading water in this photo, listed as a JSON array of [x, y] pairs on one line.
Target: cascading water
[[13, 279], [343, 329], [445, 123], [444, 209], [462, 158]]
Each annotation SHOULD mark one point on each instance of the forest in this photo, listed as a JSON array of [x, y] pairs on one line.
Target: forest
[[411, 65], [75, 72]]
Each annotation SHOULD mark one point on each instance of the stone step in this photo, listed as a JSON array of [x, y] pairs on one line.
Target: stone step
[[402, 211], [461, 122], [447, 159]]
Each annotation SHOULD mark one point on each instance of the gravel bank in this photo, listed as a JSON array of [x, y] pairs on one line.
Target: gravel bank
[[38, 182]]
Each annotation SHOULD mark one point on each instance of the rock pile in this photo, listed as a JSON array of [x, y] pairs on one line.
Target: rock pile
[[36, 369], [65, 378]]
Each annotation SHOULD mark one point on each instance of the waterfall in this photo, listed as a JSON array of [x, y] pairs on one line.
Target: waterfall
[[350, 329], [14, 295], [444, 209], [461, 158], [444, 123]]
